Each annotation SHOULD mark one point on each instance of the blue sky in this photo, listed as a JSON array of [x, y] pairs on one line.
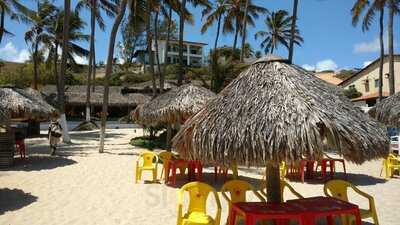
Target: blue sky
[[330, 40]]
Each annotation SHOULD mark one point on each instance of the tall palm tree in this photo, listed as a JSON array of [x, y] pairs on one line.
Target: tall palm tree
[[36, 34], [392, 5], [135, 5], [63, 69], [244, 27], [95, 7], [278, 32], [293, 30], [15, 10], [182, 19], [55, 31], [234, 18], [214, 14], [361, 6]]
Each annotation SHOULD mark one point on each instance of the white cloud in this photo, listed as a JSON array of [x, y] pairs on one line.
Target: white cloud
[[366, 63], [326, 64], [308, 67], [10, 53], [372, 46], [81, 60]]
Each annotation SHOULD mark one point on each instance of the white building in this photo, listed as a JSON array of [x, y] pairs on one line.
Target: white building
[[193, 53]]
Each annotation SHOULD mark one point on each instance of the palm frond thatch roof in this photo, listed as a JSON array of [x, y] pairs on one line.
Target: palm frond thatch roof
[[388, 111], [276, 111], [25, 103], [174, 106]]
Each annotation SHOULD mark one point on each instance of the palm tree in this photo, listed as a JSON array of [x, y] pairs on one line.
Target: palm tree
[[377, 6], [95, 7], [234, 18], [278, 32], [110, 57], [55, 32], [37, 34], [182, 19], [293, 30], [246, 8], [63, 69], [214, 14], [392, 5], [14, 9]]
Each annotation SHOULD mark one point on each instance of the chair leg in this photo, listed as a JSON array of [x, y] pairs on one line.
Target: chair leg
[[375, 219], [154, 175]]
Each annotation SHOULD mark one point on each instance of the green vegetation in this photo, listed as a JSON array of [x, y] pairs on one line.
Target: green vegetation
[[148, 143], [352, 93]]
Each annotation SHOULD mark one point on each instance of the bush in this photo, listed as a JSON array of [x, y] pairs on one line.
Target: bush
[[352, 93], [147, 142]]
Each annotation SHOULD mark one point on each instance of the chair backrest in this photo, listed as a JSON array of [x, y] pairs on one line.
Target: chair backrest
[[234, 168], [237, 190], [337, 189], [165, 156], [148, 158], [283, 185], [198, 194]]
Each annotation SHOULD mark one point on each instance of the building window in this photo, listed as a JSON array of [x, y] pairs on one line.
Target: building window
[[377, 83], [366, 84]]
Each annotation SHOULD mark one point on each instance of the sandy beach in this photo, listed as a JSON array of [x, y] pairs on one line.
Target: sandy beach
[[81, 186]]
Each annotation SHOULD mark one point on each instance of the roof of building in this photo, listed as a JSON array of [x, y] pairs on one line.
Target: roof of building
[[375, 62], [329, 77], [370, 96], [76, 95]]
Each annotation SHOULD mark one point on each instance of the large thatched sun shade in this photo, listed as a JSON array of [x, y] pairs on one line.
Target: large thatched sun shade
[[25, 103], [174, 106], [388, 111], [275, 111]]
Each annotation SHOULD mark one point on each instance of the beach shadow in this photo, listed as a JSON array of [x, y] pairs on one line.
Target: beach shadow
[[354, 178], [122, 153], [36, 163], [14, 199], [93, 135]]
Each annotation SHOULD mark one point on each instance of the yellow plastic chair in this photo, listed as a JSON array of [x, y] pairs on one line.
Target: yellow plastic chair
[[338, 189], [197, 212], [283, 185], [237, 189], [145, 163], [390, 164], [234, 168], [165, 157]]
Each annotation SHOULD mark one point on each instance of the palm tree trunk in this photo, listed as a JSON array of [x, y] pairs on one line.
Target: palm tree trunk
[[218, 29], [181, 30], [55, 62], [89, 75], [235, 39], [150, 47], [61, 78], [2, 18], [35, 65], [293, 30], [163, 74], [382, 52], [156, 46], [244, 30], [109, 65], [94, 65], [273, 183], [391, 54]]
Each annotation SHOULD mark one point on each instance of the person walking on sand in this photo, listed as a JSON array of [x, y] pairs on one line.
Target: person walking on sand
[[55, 133]]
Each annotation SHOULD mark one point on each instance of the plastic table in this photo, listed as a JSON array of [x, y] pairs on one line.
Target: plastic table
[[253, 211], [195, 169], [328, 207]]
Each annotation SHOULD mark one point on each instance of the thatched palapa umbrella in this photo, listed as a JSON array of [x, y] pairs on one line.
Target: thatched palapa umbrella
[[25, 103], [388, 111], [173, 107], [277, 111]]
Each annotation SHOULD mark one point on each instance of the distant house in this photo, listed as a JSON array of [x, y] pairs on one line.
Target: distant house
[[120, 104], [329, 77], [193, 53], [366, 81]]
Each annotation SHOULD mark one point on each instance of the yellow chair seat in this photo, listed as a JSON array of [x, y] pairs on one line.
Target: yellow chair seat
[[198, 218], [365, 213], [147, 168]]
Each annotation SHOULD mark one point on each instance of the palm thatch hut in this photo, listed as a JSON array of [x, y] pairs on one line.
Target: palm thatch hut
[[388, 111], [276, 111], [174, 106], [25, 104]]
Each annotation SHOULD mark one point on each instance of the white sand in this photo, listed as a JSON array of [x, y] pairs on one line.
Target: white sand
[[82, 186]]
